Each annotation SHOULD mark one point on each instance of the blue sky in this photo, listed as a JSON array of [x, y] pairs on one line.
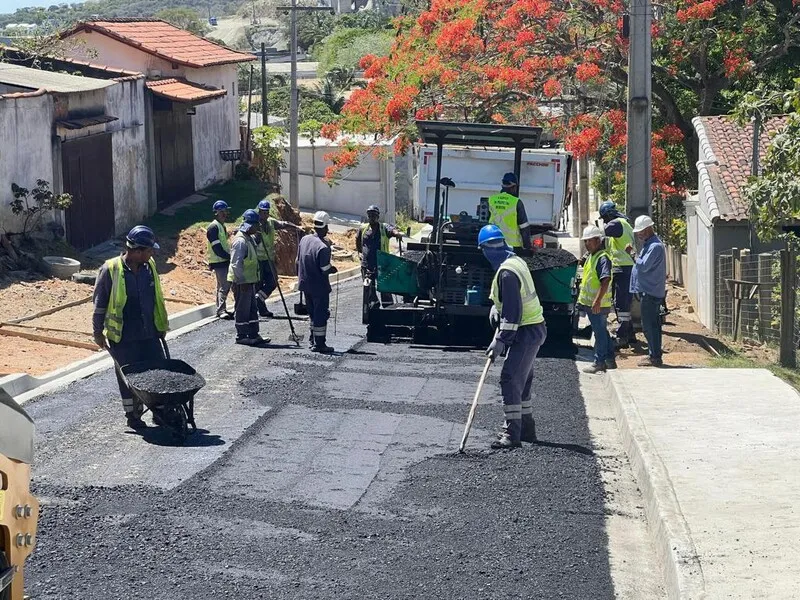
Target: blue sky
[[9, 6]]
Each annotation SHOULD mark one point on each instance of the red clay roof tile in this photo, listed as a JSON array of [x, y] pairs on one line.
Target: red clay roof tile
[[180, 90], [165, 41], [733, 147]]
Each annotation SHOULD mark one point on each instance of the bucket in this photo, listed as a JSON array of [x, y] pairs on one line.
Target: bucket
[[473, 297], [61, 266]]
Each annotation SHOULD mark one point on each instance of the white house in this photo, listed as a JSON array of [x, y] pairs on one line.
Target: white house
[[192, 106], [83, 135], [718, 215]]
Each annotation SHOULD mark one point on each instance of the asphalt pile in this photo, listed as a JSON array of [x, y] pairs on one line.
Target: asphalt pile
[[549, 258], [161, 381]]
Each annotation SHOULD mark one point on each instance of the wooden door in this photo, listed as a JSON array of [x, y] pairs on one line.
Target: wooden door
[[88, 175], [174, 156]]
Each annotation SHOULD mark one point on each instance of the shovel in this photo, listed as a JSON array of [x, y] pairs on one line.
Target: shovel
[[293, 336], [474, 406]]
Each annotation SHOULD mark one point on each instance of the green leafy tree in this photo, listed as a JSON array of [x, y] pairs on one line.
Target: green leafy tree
[[184, 18], [33, 204]]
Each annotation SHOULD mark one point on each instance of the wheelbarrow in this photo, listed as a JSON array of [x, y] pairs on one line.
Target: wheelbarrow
[[174, 411]]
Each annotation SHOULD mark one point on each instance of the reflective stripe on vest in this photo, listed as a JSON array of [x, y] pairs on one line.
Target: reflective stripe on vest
[[222, 236], [112, 327], [503, 213], [616, 246], [250, 263], [384, 236], [590, 284], [266, 249], [532, 312]]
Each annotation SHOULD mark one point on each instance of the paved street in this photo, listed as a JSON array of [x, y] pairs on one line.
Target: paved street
[[337, 477]]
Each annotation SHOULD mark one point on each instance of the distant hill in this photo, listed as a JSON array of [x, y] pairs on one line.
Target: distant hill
[[60, 15]]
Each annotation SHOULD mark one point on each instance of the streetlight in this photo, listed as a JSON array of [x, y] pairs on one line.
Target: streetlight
[[294, 182]]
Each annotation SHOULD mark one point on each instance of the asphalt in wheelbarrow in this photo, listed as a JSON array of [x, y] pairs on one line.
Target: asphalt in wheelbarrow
[[163, 381]]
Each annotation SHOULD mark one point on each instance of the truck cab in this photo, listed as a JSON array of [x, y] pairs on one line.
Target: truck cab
[[19, 510]]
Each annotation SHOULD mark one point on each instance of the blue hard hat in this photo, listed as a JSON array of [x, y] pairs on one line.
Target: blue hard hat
[[373, 208], [264, 205], [141, 237], [509, 179], [607, 208], [220, 205], [490, 233], [250, 216]]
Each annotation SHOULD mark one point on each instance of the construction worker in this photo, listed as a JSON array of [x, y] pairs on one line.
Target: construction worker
[[508, 213], [313, 269], [518, 318], [619, 243], [243, 274], [218, 255], [265, 246], [649, 281], [130, 317], [374, 236], [595, 298]]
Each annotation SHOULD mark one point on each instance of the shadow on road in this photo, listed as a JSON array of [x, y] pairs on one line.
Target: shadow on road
[[158, 436]]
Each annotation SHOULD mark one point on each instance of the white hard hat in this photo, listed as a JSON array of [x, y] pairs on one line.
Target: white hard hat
[[642, 223], [321, 219], [591, 232]]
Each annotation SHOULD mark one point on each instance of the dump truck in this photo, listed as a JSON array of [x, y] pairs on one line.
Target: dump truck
[[444, 282], [19, 510]]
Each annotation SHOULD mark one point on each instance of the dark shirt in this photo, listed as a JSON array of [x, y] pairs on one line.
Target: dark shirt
[[369, 242], [509, 289], [212, 235], [314, 266], [138, 314]]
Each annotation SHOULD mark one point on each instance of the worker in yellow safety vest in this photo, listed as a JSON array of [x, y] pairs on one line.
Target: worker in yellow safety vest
[[595, 298], [130, 317], [520, 331], [507, 211], [244, 276], [218, 255], [620, 241], [372, 237]]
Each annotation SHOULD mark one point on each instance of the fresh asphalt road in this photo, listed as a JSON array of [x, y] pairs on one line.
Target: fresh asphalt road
[[321, 477]]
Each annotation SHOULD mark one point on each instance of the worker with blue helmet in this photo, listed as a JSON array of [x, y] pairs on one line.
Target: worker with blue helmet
[[620, 241], [520, 331], [265, 244], [507, 211], [130, 316], [244, 276], [218, 255], [373, 237]]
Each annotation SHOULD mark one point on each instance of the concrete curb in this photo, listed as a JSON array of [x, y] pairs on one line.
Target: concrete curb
[[672, 539]]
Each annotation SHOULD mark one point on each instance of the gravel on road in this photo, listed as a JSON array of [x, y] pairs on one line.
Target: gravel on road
[[161, 381]]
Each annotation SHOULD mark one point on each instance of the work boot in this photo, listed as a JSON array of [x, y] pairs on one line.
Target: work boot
[[135, 421], [265, 312], [528, 430], [650, 362], [611, 364], [226, 316], [262, 341], [595, 368], [249, 341], [321, 346], [504, 442]]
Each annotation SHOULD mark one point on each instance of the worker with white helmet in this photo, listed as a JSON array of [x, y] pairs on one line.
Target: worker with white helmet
[[313, 269], [649, 282], [595, 298]]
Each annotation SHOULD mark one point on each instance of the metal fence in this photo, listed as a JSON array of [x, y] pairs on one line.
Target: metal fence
[[748, 297]]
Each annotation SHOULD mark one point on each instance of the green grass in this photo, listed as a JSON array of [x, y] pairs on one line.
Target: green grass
[[403, 222], [737, 361], [240, 195]]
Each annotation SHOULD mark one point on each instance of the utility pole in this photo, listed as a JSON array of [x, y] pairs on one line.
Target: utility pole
[[264, 107], [294, 178], [638, 168]]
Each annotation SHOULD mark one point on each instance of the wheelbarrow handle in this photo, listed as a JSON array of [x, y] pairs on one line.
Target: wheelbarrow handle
[[166, 348]]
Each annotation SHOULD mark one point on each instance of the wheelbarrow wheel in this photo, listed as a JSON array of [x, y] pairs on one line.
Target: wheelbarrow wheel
[[173, 418]]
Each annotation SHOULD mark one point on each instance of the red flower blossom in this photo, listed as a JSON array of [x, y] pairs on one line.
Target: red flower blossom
[[587, 71]]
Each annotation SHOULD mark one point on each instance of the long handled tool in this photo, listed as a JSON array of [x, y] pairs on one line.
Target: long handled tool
[[336, 310], [293, 336], [474, 404], [300, 307]]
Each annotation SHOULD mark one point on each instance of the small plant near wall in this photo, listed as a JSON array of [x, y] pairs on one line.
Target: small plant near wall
[[32, 205]]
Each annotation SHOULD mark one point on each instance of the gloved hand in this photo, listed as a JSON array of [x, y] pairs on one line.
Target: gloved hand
[[496, 349], [494, 317], [100, 340]]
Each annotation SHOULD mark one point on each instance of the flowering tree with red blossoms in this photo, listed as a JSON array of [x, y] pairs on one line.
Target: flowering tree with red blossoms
[[561, 64]]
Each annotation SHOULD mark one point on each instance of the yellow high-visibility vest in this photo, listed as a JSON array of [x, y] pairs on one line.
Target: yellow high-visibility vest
[[590, 284], [251, 272], [616, 246], [222, 235], [384, 236], [503, 213], [532, 312], [112, 327]]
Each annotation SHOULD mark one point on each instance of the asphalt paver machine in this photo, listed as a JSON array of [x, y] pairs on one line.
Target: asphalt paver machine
[[19, 510], [443, 283]]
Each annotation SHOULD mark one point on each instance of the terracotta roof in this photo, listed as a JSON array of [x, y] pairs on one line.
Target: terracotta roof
[[729, 149], [165, 41], [180, 90]]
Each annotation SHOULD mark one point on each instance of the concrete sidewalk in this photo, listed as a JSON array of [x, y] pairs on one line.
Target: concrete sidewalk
[[717, 455]]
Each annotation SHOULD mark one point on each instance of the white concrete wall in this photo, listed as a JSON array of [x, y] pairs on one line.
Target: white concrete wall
[[27, 150], [371, 182], [215, 127]]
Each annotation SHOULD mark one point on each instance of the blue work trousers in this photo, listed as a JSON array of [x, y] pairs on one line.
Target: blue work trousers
[[267, 285], [621, 284], [128, 354], [319, 314], [603, 347], [651, 325], [516, 377]]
